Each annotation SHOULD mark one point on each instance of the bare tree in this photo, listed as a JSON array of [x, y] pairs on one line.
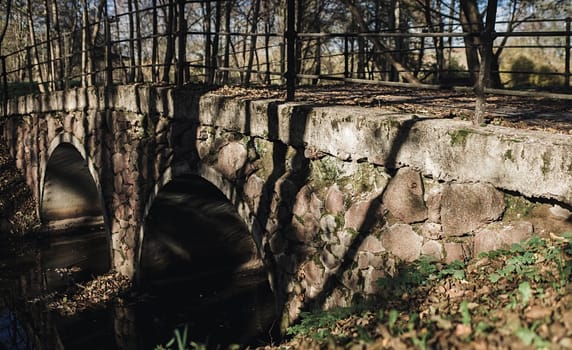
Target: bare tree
[[379, 46], [253, 39]]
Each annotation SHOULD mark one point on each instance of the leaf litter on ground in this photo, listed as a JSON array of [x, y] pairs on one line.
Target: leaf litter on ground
[[514, 298]]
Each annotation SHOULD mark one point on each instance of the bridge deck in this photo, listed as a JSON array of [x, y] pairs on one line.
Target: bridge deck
[[536, 113]]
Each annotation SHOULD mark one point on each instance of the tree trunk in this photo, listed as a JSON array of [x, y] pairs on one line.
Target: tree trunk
[[472, 23], [3, 63], [36, 70], [379, 46], [253, 40], [226, 56], [215, 43], [475, 46], [57, 48], [318, 49], [132, 63], [207, 10], [139, 70], [155, 45], [170, 50], [486, 61]]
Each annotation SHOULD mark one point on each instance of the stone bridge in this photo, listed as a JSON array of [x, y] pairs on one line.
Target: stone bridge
[[332, 198]]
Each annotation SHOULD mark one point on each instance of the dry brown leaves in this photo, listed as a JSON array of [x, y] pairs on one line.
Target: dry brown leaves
[[93, 294], [533, 113], [513, 299]]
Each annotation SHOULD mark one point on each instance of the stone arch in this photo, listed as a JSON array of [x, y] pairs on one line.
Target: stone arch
[[70, 188], [217, 191]]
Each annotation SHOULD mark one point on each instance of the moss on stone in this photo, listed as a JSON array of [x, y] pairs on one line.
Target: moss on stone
[[324, 172], [508, 155], [459, 137], [517, 207], [545, 163]]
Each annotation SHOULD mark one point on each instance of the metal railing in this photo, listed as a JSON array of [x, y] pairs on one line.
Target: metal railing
[[182, 48]]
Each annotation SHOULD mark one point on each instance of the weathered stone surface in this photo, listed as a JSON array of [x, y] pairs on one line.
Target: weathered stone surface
[[307, 204], [404, 196], [253, 190], [313, 279], [433, 201], [456, 251], [335, 200], [329, 226], [466, 207], [432, 230], [329, 260], [363, 214], [402, 241], [370, 277], [371, 244], [231, 158], [119, 163], [432, 248], [366, 259], [338, 298], [501, 235], [560, 213], [304, 228]]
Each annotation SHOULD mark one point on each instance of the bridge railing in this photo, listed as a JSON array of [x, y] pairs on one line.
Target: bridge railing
[[180, 42]]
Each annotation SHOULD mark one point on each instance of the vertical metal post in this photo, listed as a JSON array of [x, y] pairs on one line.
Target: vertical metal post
[[182, 53], [346, 57], [291, 50], [567, 54]]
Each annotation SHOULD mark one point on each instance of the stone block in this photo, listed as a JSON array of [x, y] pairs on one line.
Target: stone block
[[231, 158], [312, 279], [456, 251], [501, 235], [329, 260], [404, 196], [432, 248], [335, 200], [402, 241], [366, 260], [363, 214], [371, 244], [467, 207], [370, 277], [432, 230], [434, 203], [253, 191], [329, 226], [304, 228]]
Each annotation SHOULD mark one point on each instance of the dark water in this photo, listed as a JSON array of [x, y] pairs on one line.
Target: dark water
[[235, 309]]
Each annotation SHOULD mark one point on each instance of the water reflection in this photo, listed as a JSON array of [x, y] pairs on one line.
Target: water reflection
[[240, 311]]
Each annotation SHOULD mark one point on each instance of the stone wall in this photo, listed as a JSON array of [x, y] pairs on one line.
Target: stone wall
[[335, 197]]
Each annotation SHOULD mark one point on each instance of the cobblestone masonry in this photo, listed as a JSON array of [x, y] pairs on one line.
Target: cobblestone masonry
[[335, 197]]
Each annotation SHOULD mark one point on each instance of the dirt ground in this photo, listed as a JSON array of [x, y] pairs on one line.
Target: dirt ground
[[536, 113]]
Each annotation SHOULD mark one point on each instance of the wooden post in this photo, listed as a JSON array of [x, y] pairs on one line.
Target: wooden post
[[567, 54], [291, 50], [487, 39]]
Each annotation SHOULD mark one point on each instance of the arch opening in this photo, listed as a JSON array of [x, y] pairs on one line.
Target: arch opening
[[199, 260], [70, 195]]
